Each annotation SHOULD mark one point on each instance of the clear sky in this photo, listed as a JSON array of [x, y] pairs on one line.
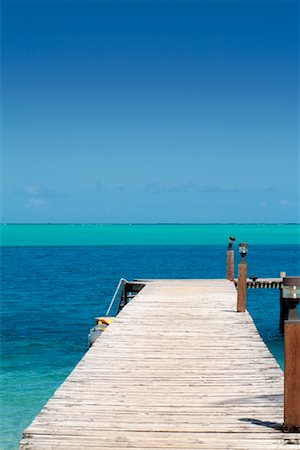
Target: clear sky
[[150, 111]]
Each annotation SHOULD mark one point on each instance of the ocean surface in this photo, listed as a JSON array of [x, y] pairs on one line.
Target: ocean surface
[[56, 278]]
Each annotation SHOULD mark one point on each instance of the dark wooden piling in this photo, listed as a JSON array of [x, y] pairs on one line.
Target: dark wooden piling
[[283, 312], [283, 309]]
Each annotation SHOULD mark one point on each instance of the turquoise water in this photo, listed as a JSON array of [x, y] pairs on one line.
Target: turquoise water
[[60, 235], [51, 293]]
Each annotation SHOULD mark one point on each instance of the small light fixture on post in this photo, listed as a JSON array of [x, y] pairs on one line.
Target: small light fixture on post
[[243, 249], [291, 297], [291, 288], [242, 279], [230, 259]]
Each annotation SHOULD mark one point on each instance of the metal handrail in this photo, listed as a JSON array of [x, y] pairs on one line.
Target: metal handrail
[[122, 280]]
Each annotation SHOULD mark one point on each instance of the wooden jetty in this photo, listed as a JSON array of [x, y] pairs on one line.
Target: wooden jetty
[[178, 368]]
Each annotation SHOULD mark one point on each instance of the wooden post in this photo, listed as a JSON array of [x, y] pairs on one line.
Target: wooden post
[[291, 376], [283, 307], [242, 286], [230, 264]]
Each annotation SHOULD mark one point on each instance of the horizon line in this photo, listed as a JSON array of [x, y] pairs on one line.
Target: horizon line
[[149, 223]]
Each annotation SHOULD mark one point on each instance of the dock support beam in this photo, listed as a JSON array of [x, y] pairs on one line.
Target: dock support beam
[[242, 286], [230, 264], [291, 376]]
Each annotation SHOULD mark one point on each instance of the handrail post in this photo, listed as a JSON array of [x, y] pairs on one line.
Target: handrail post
[[291, 376], [230, 260]]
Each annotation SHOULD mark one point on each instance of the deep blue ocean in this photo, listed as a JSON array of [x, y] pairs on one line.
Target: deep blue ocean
[[50, 296]]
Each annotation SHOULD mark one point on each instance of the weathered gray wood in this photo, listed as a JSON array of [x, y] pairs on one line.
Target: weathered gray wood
[[177, 369]]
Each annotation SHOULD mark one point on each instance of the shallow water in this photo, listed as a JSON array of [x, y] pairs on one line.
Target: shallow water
[[145, 234]]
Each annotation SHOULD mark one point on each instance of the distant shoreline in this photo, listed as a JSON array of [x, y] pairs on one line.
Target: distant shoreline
[[149, 223]]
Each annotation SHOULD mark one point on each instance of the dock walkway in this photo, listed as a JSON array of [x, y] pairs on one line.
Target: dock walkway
[[177, 369]]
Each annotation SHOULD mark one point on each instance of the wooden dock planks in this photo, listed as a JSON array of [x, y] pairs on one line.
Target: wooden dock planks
[[177, 369]]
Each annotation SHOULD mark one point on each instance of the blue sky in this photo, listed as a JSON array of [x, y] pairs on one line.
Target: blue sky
[[150, 111]]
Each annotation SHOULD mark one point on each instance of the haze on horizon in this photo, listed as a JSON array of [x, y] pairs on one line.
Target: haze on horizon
[[150, 111]]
